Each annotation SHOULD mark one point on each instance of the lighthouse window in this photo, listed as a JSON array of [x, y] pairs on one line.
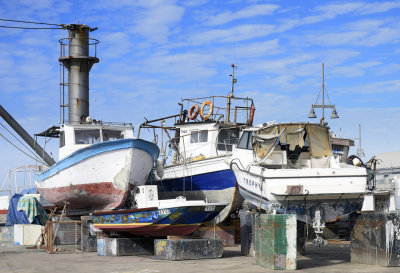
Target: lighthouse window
[[227, 138], [84, 136], [198, 136], [112, 135]]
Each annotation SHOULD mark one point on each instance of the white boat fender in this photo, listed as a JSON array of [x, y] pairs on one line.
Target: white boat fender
[[160, 168], [357, 162]]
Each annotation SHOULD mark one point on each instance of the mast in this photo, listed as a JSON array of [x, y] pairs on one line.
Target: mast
[[323, 95], [228, 108]]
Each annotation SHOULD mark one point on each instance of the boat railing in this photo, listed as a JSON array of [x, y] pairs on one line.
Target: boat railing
[[100, 122], [18, 179], [224, 106]]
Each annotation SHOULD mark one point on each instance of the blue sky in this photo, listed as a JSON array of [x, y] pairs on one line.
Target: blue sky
[[152, 53]]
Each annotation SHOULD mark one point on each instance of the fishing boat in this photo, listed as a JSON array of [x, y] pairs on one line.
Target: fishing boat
[[99, 165], [159, 217], [99, 162], [202, 141], [290, 168]]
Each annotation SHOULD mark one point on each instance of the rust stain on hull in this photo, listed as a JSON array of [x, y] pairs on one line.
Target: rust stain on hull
[[95, 196]]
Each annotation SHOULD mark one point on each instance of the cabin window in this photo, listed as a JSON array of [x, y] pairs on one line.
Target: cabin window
[[112, 135], [227, 138], [62, 139], [198, 136], [85, 136], [245, 141]]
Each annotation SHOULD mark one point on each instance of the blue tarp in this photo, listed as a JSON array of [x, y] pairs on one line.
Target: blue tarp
[[17, 217], [28, 191]]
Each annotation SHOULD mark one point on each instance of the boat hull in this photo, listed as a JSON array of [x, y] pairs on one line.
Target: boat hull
[[98, 177], [208, 179], [177, 221], [333, 191]]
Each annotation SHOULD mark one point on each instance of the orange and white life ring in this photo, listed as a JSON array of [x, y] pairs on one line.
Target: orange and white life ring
[[209, 103], [193, 111]]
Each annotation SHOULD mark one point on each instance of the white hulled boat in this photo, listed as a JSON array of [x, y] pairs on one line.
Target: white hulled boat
[[290, 168], [99, 165]]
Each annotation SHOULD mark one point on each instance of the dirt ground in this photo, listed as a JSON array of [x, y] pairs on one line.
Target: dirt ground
[[331, 258]]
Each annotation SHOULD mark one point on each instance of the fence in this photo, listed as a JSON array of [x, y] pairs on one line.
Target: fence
[[63, 236]]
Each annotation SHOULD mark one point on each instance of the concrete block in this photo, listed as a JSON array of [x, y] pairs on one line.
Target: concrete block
[[6, 233], [375, 239], [247, 233], [276, 241], [26, 234], [125, 246], [188, 249]]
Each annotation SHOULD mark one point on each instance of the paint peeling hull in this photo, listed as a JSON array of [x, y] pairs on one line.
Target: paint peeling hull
[[157, 222], [101, 179], [96, 196]]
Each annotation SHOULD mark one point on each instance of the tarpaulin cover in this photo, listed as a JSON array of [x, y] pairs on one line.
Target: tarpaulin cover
[[319, 141], [32, 208], [17, 217]]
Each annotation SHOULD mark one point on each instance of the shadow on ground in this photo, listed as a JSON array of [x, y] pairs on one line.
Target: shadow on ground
[[322, 256]]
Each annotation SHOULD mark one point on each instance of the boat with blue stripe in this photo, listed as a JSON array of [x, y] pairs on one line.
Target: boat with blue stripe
[[98, 167], [201, 147]]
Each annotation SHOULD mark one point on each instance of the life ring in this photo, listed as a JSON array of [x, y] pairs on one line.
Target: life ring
[[207, 102], [252, 110], [192, 115]]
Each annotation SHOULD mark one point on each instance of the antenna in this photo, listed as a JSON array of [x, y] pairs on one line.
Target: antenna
[[360, 151], [233, 77], [228, 108]]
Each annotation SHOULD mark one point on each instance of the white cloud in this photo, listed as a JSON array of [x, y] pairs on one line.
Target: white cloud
[[372, 87], [156, 19], [356, 70], [368, 33], [331, 11], [250, 50], [247, 12], [234, 34], [378, 7], [115, 44]]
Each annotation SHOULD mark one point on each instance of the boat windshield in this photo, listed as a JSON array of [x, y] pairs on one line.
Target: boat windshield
[[112, 134], [245, 141], [87, 136], [227, 138]]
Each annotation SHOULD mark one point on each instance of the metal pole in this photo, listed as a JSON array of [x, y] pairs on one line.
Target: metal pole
[[359, 135], [26, 137], [323, 94]]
